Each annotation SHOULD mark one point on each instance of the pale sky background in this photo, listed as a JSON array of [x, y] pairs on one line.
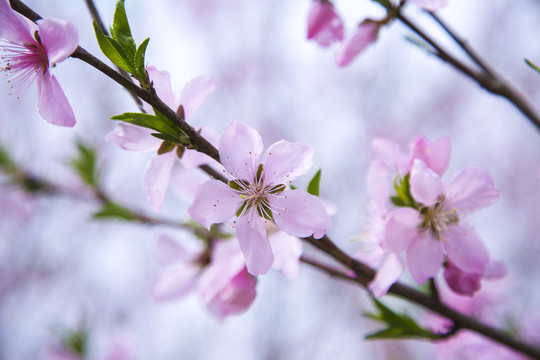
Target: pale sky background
[[57, 267]]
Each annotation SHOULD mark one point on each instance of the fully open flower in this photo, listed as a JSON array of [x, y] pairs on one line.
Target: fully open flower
[[31, 51], [257, 193], [134, 138], [324, 24], [435, 229]]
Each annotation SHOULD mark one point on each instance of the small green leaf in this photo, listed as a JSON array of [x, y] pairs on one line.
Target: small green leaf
[[158, 123], [111, 210], [77, 342], [121, 32], [313, 186], [85, 164], [398, 325], [6, 163], [532, 65], [403, 192], [113, 51], [139, 62]]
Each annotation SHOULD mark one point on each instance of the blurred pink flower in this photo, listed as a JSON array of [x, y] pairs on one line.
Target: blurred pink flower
[[31, 52], [365, 34], [134, 138], [324, 24], [465, 283], [430, 5], [257, 194], [436, 155], [436, 231]]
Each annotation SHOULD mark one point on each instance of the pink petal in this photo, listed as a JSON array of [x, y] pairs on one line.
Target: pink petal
[[59, 38], [13, 27], [401, 229], [324, 24], [163, 86], [377, 185], [430, 5], [364, 35], [186, 182], [175, 282], [195, 93], [391, 269], [133, 138], [470, 190], [424, 258], [285, 161], [215, 203], [436, 155], [251, 234], [239, 150], [390, 152], [287, 250], [465, 249], [461, 282], [426, 184], [300, 214], [192, 158], [169, 251], [157, 177], [52, 103]]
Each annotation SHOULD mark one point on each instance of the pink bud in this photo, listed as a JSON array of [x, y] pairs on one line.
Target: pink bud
[[364, 35], [462, 282], [324, 24]]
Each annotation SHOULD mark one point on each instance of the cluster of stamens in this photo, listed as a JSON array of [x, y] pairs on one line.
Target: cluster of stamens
[[255, 194], [436, 220]]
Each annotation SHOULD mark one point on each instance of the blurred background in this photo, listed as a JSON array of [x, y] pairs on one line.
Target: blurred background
[[60, 269]]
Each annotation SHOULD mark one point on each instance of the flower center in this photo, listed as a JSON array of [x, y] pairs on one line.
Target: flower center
[[255, 194], [437, 220]]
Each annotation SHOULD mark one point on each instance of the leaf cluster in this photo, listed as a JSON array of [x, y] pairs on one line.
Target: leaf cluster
[[120, 46], [399, 326]]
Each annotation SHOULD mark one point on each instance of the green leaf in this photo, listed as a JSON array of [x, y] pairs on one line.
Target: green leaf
[[85, 164], [313, 186], [6, 163], [158, 123], [77, 342], [113, 51], [121, 32], [398, 325], [403, 192], [181, 140], [111, 210], [139, 62], [532, 65]]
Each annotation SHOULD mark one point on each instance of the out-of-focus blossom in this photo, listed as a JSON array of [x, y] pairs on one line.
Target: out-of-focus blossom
[[435, 230], [365, 34], [430, 5], [465, 283], [134, 138], [218, 274], [31, 51], [436, 155], [324, 24], [256, 194]]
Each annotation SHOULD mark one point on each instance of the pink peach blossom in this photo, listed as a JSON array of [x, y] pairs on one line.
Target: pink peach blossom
[[31, 51], [364, 35], [324, 24], [257, 194]]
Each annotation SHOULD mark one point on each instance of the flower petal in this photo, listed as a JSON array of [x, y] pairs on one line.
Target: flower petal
[[163, 86], [214, 203], [426, 184], [133, 138], [436, 155], [390, 152], [257, 251], [465, 249], [461, 282], [157, 177], [59, 38], [300, 214], [175, 282], [169, 251], [195, 93], [13, 27], [287, 250], [285, 161], [424, 258], [239, 150], [401, 229], [364, 35], [52, 103], [470, 190], [324, 24], [391, 269]]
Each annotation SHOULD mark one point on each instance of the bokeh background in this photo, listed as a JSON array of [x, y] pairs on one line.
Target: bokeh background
[[58, 268]]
